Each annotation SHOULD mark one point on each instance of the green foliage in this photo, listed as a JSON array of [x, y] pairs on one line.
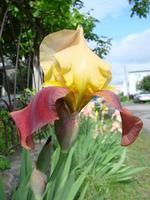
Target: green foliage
[[138, 189], [140, 7], [32, 20], [103, 46], [4, 163], [87, 125], [108, 159], [25, 97], [4, 115], [26, 166], [2, 192], [87, 171], [23, 191], [7, 136], [144, 84], [63, 183], [123, 98]]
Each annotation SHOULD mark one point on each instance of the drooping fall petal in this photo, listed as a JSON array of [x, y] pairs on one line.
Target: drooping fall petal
[[67, 61], [131, 125], [41, 111]]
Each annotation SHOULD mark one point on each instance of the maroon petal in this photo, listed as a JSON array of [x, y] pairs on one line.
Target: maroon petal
[[131, 125], [41, 111]]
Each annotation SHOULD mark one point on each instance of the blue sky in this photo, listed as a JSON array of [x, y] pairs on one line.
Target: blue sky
[[121, 26], [130, 36]]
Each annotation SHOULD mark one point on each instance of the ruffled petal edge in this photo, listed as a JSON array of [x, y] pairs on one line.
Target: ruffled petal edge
[[40, 111], [131, 125]]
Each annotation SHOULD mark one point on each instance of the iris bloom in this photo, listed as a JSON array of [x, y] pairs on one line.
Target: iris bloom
[[73, 74]]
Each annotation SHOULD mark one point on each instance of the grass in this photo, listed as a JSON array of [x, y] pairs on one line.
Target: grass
[[139, 188]]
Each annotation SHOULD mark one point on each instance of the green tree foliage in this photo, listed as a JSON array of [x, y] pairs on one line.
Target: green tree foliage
[[35, 19], [145, 83], [24, 23], [140, 7]]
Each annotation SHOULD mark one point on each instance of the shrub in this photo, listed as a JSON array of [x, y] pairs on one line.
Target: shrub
[[123, 98], [8, 136], [4, 163]]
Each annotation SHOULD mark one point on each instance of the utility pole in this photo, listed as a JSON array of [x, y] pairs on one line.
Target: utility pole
[[126, 82]]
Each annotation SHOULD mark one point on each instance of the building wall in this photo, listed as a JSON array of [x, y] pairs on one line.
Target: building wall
[[37, 75], [134, 78]]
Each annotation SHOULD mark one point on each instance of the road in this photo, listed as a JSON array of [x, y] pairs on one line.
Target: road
[[142, 111]]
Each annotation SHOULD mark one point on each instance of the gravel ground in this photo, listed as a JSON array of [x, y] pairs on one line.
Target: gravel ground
[[142, 111]]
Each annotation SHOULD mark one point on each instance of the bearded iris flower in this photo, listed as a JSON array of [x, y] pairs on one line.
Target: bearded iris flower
[[73, 75]]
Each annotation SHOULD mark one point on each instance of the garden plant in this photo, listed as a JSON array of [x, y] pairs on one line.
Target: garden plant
[[71, 161]]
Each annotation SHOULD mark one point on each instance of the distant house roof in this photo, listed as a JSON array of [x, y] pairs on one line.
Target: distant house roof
[[8, 64], [8, 67], [139, 71]]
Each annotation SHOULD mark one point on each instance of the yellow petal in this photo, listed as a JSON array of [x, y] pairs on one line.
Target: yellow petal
[[67, 61]]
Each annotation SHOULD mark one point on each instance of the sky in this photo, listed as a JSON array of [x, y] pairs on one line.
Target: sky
[[130, 36]]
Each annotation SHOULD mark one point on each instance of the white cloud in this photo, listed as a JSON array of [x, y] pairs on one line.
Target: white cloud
[[134, 48], [132, 52], [133, 45], [105, 8]]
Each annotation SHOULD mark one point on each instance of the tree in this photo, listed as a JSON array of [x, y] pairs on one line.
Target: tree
[[35, 19], [144, 84], [140, 7], [24, 23]]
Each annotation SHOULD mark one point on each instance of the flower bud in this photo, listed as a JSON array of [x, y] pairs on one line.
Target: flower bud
[[38, 183], [66, 128]]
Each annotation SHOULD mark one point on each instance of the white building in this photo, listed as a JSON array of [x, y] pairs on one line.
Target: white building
[[131, 80]]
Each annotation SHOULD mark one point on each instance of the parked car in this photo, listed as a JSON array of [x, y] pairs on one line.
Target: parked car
[[141, 97]]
